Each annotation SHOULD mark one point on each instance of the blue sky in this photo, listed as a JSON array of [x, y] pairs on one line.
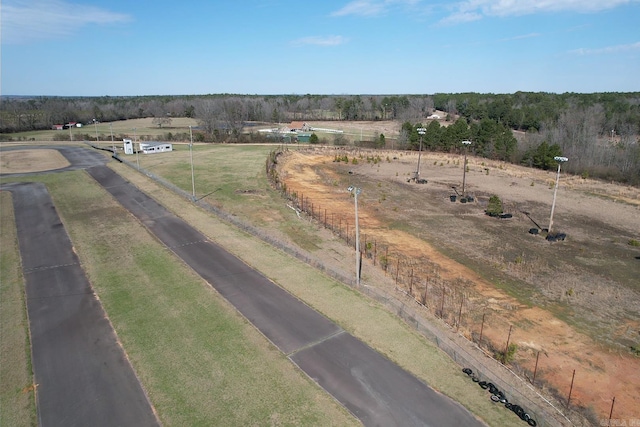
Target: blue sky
[[142, 47]]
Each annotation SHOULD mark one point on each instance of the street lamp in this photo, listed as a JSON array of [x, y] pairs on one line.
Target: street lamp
[[560, 161], [193, 181], [355, 191], [464, 166], [421, 131]]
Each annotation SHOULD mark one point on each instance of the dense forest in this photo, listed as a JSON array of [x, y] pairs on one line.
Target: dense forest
[[598, 132]]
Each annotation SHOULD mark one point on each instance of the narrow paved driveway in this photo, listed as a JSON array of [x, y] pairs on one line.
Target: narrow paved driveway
[[373, 388]]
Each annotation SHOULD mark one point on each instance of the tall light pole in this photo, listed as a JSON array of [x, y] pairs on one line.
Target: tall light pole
[[95, 124], [464, 166], [134, 147], [355, 191], [193, 180], [421, 131], [112, 143], [560, 161]]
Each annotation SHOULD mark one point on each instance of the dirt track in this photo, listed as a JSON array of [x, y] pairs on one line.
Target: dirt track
[[576, 302]]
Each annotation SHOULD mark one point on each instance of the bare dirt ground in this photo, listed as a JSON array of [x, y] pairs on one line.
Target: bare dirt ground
[[575, 303], [27, 161]]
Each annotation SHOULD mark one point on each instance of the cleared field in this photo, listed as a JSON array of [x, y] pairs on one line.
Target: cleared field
[[138, 128], [574, 303]]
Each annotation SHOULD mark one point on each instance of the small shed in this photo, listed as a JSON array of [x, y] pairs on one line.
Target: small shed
[[128, 146], [304, 136]]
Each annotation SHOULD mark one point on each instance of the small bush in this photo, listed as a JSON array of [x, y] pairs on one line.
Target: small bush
[[507, 357], [494, 207], [634, 242]]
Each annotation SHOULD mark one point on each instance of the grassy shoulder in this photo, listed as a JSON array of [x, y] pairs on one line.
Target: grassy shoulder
[[17, 397], [353, 311], [199, 360]]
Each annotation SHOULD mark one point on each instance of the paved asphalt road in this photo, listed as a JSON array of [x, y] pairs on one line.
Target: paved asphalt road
[[82, 374], [375, 390]]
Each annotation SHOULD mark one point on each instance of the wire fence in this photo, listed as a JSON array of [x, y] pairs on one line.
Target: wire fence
[[443, 311]]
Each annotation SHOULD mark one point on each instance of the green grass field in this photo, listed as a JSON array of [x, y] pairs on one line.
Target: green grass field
[[200, 362]]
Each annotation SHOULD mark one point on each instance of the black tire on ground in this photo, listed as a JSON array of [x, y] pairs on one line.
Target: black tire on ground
[[532, 422], [495, 398], [483, 384], [508, 405], [467, 371], [475, 379], [533, 231]]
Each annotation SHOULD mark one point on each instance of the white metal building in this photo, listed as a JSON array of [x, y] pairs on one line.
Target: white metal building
[[155, 147]]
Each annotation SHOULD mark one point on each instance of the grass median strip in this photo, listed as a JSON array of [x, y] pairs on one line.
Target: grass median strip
[[17, 399], [199, 360]]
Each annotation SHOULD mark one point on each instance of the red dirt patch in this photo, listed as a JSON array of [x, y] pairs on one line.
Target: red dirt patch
[[602, 371]]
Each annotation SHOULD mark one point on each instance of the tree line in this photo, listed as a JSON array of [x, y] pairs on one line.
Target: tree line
[[598, 131]]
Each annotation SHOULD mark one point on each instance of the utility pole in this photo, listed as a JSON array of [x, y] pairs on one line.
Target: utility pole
[[421, 131], [560, 161], [355, 191], [464, 166]]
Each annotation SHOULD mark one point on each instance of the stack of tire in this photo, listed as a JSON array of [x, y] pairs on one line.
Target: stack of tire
[[498, 395]]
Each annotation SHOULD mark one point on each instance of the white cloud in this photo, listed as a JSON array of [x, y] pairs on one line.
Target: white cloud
[[607, 49], [320, 41], [522, 36], [25, 21], [476, 9], [371, 7]]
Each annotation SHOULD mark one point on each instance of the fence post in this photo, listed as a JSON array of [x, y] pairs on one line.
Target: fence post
[[347, 233], [535, 370], [506, 349], [460, 313], [411, 281], [481, 328], [571, 388], [611, 411], [424, 296], [375, 252], [386, 256]]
